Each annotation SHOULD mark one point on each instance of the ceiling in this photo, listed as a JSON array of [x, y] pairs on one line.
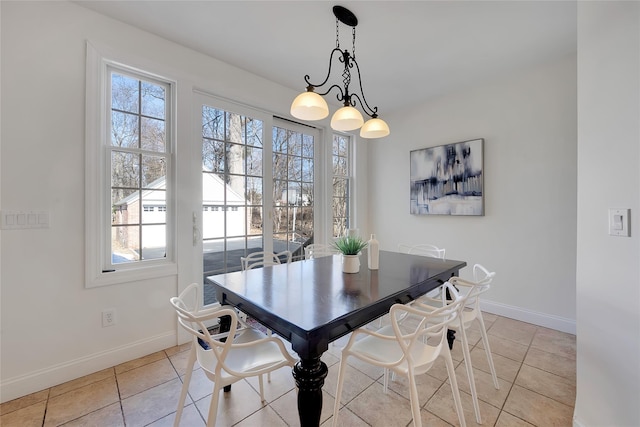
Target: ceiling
[[408, 51]]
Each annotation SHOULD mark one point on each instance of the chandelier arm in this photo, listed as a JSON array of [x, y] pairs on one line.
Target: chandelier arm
[[371, 112], [311, 85], [339, 96]]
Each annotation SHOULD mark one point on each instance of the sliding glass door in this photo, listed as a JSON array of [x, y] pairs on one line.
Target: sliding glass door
[[257, 185]]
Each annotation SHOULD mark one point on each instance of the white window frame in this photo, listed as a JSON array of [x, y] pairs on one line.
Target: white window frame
[[98, 268]]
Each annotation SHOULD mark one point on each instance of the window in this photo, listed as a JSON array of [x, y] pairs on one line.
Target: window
[[130, 188], [341, 184]]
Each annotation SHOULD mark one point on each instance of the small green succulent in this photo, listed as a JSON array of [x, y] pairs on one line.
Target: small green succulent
[[350, 245]]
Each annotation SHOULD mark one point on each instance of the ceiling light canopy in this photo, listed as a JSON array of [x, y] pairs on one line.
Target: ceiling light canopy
[[310, 105]]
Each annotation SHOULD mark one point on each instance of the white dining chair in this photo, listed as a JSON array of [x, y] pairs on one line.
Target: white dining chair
[[264, 258], [470, 311], [407, 350], [482, 279], [316, 250], [422, 249], [227, 357]]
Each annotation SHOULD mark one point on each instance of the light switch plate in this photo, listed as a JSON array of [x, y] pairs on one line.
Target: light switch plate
[[619, 222], [16, 220]]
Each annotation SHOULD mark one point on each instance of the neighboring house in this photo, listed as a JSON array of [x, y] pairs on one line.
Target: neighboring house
[[154, 211]]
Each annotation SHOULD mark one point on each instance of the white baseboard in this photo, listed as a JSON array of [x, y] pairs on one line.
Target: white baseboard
[[537, 318], [22, 385]]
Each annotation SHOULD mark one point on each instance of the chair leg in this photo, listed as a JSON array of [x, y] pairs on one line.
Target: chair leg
[[470, 376], [269, 334], [415, 402], [487, 350], [454, 385], [185, 384], [213, 406], [336, 406], [385, 380], [261, 383]]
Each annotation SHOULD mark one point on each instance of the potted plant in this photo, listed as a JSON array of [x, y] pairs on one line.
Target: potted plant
[[350, 247]]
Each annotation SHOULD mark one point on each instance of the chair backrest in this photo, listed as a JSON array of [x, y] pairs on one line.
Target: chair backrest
[[316, 250], [482, 279], [481, 275], [264, 258], [422, 249], [211, 349], [432, 325]]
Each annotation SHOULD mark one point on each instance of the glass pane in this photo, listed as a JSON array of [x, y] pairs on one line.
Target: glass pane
[[339, 227], [339, 187], [339, 146], [254, 132], [212, 221], [235, 158], [213, 155], [256, 220], [279, 166], [304, 222], [125, 206], [295, 168], [254, 191], [279, 140], [280, 192], [254, 161], [212, 123], [236, 190], [294, 194], [307, 194], [235, 128], [125, 243], [124, 130], [294, 146], [339, 207], [340, 166], [307, 170], [154, 171], [124, 93], [153, 135], [154, 207], [154, 241], [235, 220], [153, 100], [307, 146], [280, 219], [213, 191], [280, 242], [125, 168]]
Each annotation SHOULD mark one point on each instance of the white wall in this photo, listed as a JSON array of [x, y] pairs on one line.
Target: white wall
[[608, 275], [528, 232], [51, 323]]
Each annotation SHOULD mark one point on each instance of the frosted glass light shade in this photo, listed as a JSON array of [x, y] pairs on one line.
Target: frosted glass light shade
[[309, 106], [374, 128], [346, 118]]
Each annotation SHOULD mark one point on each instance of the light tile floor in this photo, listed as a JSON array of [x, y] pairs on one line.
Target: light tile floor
[[536, 369]]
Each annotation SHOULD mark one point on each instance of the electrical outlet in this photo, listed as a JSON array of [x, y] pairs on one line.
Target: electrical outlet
[[108, 317]]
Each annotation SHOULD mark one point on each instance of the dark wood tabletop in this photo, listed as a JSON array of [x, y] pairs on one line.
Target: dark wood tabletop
[[312, 302]]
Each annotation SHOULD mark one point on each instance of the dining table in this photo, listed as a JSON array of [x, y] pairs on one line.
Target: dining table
[[311, 303]]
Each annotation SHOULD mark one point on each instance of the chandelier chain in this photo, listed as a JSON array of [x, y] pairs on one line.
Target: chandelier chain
[[337, 35], [353, 53]]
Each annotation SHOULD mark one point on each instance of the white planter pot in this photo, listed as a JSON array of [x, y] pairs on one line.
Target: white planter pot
[[350, 263]]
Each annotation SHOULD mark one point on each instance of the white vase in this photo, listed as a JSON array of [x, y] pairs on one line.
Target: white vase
[[350, 263]]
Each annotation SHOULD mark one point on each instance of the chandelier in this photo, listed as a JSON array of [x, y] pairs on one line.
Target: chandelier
[[311, 105]]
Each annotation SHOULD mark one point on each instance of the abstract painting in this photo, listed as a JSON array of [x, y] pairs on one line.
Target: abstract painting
[[448, 179]]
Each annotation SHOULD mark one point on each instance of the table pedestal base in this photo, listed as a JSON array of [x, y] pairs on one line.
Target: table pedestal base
[[309, 375]]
